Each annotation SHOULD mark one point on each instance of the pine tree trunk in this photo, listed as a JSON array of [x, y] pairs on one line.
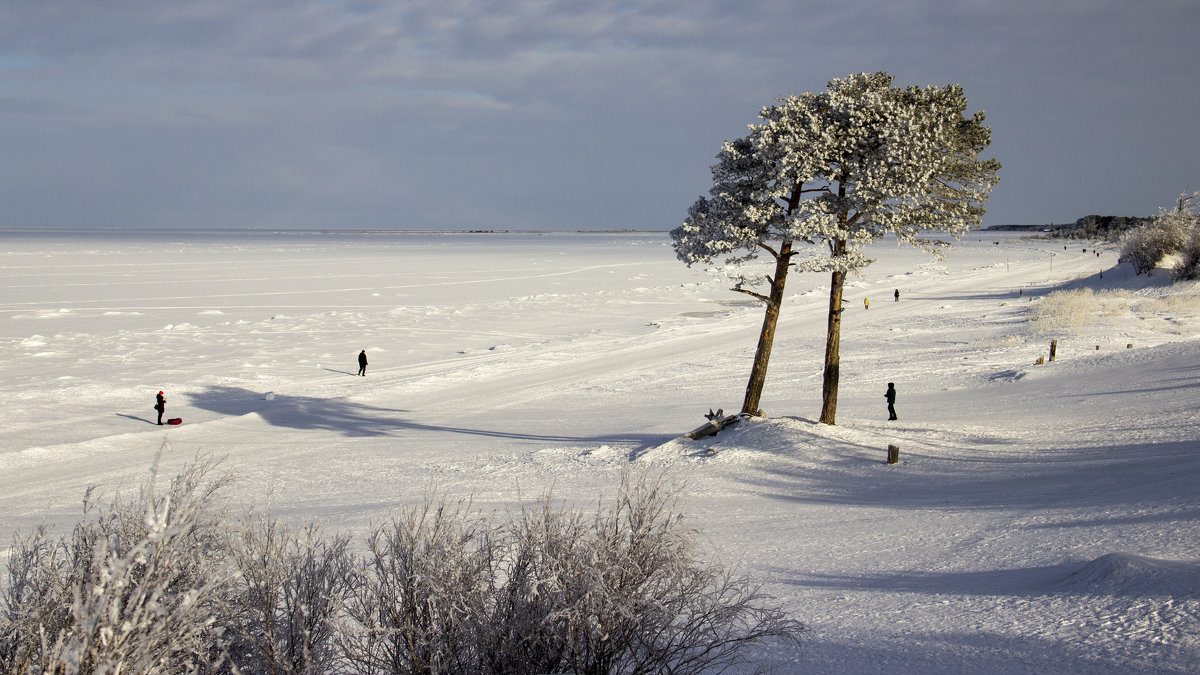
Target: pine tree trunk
[[833, 340], [766, 338]]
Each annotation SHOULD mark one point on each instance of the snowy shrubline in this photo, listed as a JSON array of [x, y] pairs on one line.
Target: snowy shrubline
[[1173, 231], [171, 583], [838, 169]]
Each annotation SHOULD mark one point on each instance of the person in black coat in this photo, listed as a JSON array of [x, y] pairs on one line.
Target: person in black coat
[[160, 404], [362, 363], [891, 399]]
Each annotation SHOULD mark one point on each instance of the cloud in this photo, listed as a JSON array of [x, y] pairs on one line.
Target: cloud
[[535, 113]]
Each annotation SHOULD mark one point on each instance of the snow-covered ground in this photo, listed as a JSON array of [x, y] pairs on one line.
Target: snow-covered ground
[[1043, 518]]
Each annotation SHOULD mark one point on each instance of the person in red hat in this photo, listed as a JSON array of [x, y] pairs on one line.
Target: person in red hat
[[160, 406]]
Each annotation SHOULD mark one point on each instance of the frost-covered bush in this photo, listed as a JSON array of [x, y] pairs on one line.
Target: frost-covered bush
[[1144, 248], [1173, 231], [418, 599], [139, 586], [291, 588], [626, 591], [168, 582], [36, 601], [1188, 265], [623, 590]]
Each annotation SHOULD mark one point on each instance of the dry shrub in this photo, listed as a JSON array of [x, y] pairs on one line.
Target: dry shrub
[[1177, 305], [1064, 311]]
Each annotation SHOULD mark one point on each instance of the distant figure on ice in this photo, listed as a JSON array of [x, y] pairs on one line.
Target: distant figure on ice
[[866, 303], [362, 363], [160, 404], [897, 295], [891, 399]]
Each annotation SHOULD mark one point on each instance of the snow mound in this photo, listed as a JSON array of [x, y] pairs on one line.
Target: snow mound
[[673, 450], [1135, 575], [746, 440]]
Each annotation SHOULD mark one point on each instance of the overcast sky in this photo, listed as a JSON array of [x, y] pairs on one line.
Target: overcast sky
[[537, 114]]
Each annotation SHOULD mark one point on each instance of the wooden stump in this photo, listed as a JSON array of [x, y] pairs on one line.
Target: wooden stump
[[893, 454], [1053, 349]]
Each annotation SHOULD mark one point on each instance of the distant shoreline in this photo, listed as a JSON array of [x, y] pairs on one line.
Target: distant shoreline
[[299, 230]]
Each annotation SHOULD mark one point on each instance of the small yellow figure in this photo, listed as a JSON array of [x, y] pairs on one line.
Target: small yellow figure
[[866, 303]]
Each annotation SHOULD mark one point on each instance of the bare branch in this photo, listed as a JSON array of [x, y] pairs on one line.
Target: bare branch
[[752, 294], [766, 247]]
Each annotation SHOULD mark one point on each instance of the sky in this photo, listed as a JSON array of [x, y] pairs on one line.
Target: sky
[[542, 114]]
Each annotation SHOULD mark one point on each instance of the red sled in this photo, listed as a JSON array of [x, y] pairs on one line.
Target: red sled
[[175, 420]]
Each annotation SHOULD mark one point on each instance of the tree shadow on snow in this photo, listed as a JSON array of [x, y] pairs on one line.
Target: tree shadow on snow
[[1119, 278], [1098, 477], [355, 419]]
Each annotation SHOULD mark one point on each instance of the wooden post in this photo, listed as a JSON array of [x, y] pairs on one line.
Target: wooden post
[[1129, 346], [893, 454], [1053, 348]]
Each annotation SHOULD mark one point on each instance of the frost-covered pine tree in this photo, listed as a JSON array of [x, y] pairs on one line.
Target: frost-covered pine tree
[[826, 174]]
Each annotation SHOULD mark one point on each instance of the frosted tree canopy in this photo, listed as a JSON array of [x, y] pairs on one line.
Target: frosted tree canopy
[[842, 168]]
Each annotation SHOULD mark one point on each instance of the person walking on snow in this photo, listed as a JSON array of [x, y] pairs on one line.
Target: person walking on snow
[[866, 303], [362, 363], [160, 405], [897, 295], [891, 399]]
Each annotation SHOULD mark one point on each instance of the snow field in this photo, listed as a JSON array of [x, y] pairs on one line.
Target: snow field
[[1042, 518]]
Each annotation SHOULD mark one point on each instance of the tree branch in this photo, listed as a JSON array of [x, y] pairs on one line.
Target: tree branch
[[768, 249], [752, 294]]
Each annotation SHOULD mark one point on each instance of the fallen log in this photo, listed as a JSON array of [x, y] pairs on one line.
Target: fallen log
[[716, 422]]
